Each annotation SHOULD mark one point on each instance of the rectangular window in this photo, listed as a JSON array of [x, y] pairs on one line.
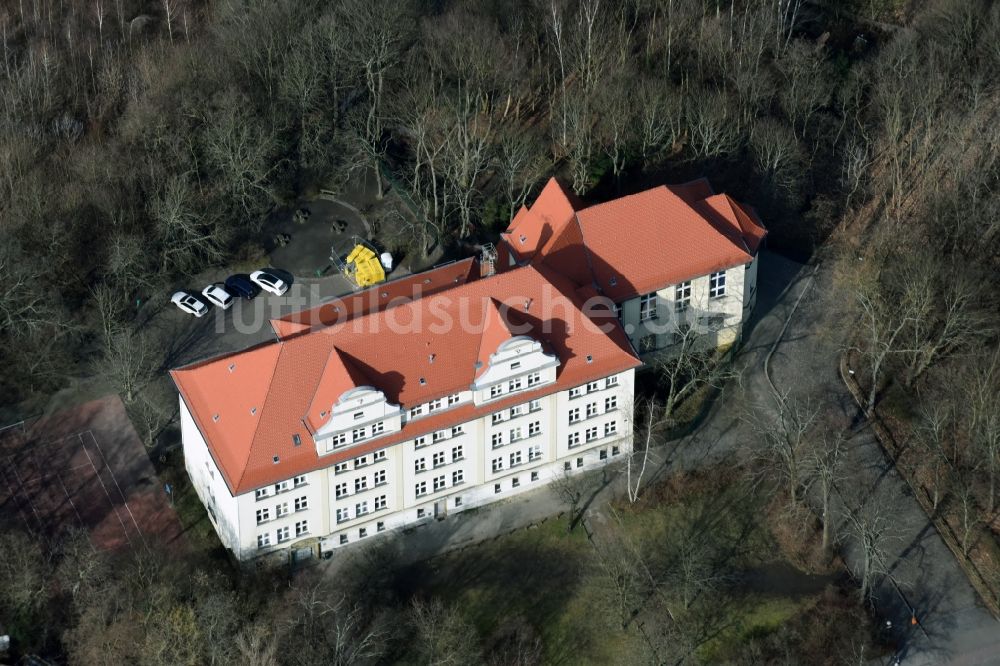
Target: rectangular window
[[496, 390], [341, 490], [611, 381], [380, 526], [567, 466], [434, 405], [301, 503], [378, 428], [343, 539], [359, 434], [717, 284], [263, 540], [534, 428], [515, 434], [534, 405], [337, 440], [682, 296], [574, 439], [496, 488], [419, 441], [358, 416], [574, 415], [457, 453], [421, 488], [416, 411], [343, 515], [534, 453], [281, 510], [260, 493], [497, 464], [615, 450], [340, 467], [263, 515], [611, 403], [579, 462], [420, 464], [591, 409], [439, 483], [610, 428], [576, 392], [360, 483], [534, 378], [515, 458], [516, 411], [515, 365], [497, 417], [283, 534], [301, 527], [363, 532], [280, 487], [360, 462], [593, 386], [421, 513], [457, 477], [457, 430], [497, 439], [534, 476], [515, 384], [380, 502], [438, 459], [515, 482], [299, 481], [438, 435], [380, 477], [361, 509], [647, 307], [591, 434], [603, 454], [458, 501], [453, 399], [379, 456]]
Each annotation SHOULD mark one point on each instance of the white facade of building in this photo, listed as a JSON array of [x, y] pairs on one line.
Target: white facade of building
[[464, 465]]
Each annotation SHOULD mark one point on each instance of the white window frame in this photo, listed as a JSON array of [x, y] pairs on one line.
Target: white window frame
[[682, 296], [647, 307], [717, 284]]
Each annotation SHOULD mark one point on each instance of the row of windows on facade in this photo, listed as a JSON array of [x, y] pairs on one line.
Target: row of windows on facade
[[280, 487], [682, 297], [361, 461], [516, 384], [264, 513], [361, 484], [590, 387], [440, 482], [438, 459], [592, 434], [610, 405], [515, 458], [516, 411], [283, 534], [516, 434], [361, 509]]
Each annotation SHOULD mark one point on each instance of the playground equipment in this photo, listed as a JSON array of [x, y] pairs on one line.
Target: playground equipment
[[362, 266]]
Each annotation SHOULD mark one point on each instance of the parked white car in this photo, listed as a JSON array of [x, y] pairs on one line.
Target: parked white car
[[218, 296], [189, 303], [269, 282]]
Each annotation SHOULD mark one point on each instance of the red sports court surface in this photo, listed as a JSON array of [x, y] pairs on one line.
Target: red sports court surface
[[85, 467]]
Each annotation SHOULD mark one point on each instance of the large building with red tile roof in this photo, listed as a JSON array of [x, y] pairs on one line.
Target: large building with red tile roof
[[461, 385]]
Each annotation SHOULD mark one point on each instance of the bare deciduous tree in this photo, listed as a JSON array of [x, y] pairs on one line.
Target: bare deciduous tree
[[871, 530], [789, 441], [826, 465]]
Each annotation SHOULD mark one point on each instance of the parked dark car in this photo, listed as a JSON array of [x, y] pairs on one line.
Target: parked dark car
[[242, 286]]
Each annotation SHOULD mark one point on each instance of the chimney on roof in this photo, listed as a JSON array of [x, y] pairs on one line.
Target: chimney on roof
[[488, 260], [232, 366], [527, 304], [430, 358]]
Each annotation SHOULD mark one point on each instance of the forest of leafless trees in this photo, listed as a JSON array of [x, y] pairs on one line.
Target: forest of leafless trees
[[144, 140]]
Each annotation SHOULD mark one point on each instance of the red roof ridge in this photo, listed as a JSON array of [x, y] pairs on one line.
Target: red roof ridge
[[495, 332], [260, 410], [338, 367]]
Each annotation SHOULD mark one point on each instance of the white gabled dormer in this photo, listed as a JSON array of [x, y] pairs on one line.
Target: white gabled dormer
[[346, 409], [518, 364], [360, 414]]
